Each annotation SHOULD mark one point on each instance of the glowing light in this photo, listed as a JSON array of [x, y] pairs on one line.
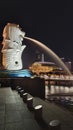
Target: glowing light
[[16, 73], [51, 53]]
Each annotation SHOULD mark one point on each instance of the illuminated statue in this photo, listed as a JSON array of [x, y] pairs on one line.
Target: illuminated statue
[[12, 47]]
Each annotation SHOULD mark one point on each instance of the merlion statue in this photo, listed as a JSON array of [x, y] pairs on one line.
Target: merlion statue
[[12, 47]]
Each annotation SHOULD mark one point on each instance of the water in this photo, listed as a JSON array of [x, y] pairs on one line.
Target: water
[[58, 90], [51, 53]]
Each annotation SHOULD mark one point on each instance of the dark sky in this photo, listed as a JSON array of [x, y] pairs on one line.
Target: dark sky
[[50, 22]]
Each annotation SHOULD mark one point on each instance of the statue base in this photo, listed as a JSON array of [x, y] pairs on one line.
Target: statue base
[[15, 73]]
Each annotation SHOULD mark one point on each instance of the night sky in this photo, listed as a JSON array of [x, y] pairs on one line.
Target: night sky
[[49, 22]]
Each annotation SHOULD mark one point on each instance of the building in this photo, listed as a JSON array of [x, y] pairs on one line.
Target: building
[[43, 67]]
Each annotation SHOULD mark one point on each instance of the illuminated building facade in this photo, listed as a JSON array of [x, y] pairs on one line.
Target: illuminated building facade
[[43, 67]]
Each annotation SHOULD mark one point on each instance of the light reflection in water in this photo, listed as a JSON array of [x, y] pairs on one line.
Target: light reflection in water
[[53, 89]]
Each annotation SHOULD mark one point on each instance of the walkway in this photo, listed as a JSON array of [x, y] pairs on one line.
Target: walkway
[[14, 114]]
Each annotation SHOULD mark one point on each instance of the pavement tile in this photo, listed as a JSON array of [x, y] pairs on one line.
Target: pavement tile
[[14, 114]]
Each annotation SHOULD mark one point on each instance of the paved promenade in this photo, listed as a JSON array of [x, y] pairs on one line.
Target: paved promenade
[[14, 114]]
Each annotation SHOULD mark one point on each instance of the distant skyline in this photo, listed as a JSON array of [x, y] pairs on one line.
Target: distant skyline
[[50, 23]]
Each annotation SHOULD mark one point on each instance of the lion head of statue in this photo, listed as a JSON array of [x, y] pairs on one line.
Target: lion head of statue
[[13, 32]]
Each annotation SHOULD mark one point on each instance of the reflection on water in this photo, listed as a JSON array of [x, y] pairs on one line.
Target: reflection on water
[[53, 89]]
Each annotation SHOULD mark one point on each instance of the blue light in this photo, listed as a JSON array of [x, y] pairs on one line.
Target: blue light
[[16, 73]]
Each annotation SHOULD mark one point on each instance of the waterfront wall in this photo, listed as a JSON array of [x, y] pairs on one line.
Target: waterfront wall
[[35, 86]]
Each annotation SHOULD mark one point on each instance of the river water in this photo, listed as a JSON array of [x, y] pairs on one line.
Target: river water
[[58, 90]]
